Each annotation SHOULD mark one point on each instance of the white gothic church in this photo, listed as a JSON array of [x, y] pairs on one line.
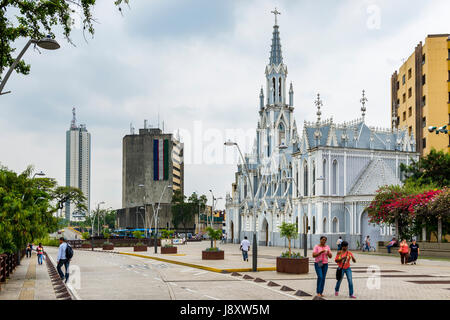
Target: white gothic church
[[321, 178]]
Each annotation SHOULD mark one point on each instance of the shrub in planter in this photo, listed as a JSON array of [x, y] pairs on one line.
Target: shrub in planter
[[107, 245], [86, 244], [213, 253], [139, 246], [291, 262], [168, 249]]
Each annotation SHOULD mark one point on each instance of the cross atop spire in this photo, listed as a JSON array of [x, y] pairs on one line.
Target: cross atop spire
[[318, 104], [275, 12], [363, 101]]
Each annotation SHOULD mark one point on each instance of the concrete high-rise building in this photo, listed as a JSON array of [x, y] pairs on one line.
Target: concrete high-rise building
[[420, 93], [153, 159], [78, 165]]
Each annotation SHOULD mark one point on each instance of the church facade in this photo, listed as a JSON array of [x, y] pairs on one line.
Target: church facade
[[321, 178]]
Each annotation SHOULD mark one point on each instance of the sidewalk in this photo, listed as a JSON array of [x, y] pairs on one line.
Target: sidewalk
[[30, 281]]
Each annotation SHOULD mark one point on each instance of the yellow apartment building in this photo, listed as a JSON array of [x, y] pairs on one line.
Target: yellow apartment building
[[420, 93]]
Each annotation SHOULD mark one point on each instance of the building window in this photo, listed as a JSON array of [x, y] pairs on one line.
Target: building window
[[409, 73], [305, 180], [324, 176], [325, 229], [404, 115], [403, 79], [398, 102], [335, 225], [424, 143], [404, 97], [398, 85], [423, 58], [314, 179], [409, 92], [409, 130], [335, 179], [409, 111], [424, 100], [314, 225], [281, 134], [424, 79], [424, 122]]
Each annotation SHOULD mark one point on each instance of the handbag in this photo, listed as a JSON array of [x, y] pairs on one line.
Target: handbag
[[339, 270]]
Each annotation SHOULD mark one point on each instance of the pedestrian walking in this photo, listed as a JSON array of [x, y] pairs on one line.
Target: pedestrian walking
[[367, 244], [413, 252], [404, 250], [343, 258], [338, 243], [63, 258], [28, 250], [391, 244], [321, 253], [40, 253], [245, 247]]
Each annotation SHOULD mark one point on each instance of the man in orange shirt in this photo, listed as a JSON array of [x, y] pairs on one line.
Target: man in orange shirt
[[343, 258]]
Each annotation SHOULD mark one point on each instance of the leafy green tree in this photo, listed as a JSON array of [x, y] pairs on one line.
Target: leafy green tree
[[214, 234], [434, 169], [288, 230], [40, 18], [28, 207], [184, 212]]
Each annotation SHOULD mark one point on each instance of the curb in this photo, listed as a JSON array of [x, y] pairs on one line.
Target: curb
[[196, 265]]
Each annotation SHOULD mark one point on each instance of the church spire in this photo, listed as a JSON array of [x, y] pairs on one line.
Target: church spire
[[276, 71], [275, 53]]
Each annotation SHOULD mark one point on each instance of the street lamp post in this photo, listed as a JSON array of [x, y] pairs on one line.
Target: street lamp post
[[156, 218], [145, 212], [92, 224], [44, 43], [255, 245], [214, 201]]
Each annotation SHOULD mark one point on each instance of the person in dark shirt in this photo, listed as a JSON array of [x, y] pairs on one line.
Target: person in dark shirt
[[413, 252]]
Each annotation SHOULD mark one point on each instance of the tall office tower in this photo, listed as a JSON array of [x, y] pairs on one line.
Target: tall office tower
[[420, 93], [178, 164], [152, 161], [78, 165]]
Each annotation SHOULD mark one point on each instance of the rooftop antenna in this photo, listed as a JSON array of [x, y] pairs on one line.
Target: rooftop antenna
[[131, 128], [73, 123], [145, 124], [163, 127]]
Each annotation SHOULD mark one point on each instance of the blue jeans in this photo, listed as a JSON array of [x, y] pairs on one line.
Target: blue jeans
[[366, 247], [245, 254], [321, 275], [40, 258], [389, 248], [66, 263], [348, 272], [339, 247]]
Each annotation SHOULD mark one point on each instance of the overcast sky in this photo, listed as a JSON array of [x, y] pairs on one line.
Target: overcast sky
[[200, 65]]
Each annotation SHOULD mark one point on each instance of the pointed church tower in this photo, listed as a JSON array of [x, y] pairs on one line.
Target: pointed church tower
[[276, 116], [276, 71]]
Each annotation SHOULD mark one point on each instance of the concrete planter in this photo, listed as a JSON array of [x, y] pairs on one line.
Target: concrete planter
[[290, 265], [213, 255], [86, 246], [139, 248], [108, 247], [168, 250]]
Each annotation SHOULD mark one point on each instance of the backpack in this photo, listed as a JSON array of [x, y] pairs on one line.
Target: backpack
[[69, 252]]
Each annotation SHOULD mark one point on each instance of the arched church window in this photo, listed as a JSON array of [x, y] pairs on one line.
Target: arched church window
[[274, 87], [314, 178], [335, 225], [279, 88], [324, 176], [305, 179], [325, 225], [281, 134], [335, 177], [314, 225]]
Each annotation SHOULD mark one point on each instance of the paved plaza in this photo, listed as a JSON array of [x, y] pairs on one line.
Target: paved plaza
[[121, 275]]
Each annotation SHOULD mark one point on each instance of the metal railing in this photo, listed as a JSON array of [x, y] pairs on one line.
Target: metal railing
[[8, 263]]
